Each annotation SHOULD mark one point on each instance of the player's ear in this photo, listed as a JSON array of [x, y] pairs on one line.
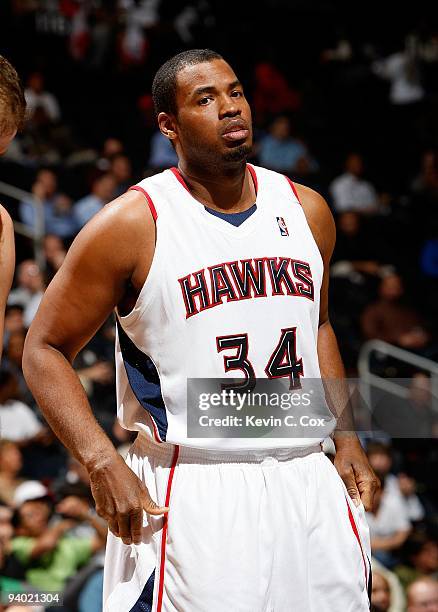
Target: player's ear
[[166, 123]]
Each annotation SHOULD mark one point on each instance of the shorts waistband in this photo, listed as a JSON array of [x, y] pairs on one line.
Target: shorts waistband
[[188, 454]]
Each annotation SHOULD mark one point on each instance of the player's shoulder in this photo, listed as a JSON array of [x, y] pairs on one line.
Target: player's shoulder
[[135, 209], [5, 217], [6, 230], [312, 201], [160, 180]]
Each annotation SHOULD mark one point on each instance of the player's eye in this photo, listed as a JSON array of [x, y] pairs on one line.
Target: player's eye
[[236, 94], [205, 100]]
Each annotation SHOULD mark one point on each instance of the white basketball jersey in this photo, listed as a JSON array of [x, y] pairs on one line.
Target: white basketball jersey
[[220, 302]]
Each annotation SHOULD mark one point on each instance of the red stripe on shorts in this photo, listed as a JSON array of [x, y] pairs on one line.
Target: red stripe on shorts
[[356, 533], [164, 532], [148, 198]]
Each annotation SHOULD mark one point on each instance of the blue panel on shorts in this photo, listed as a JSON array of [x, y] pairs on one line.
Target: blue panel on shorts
[[144, 380], [144, 602]]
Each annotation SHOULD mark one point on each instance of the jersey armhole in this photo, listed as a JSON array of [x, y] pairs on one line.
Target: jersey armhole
[[148, 198], [294, 189]]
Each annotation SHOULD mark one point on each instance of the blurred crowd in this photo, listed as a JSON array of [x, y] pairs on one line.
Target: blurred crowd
[[349, 111]]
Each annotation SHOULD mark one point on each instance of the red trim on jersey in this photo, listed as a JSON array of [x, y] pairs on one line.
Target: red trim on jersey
[[356, 533], [254, 177], [178, 175], [154, 426], [148, 198], [294, 189], [164, 532]]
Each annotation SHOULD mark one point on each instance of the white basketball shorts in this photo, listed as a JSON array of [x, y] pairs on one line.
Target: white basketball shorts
[[265, 531]]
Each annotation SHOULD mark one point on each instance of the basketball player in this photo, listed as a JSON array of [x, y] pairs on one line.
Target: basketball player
[[217, 269], [12, 111]]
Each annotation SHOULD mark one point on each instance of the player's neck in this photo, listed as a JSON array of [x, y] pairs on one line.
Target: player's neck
[[231, 190]]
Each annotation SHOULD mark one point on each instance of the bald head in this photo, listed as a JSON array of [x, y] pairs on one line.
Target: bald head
[[423, 595]]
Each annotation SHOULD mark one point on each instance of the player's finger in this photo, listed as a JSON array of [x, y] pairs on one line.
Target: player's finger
[[368, 492], [351, 486], [113, 526], [150, 506], [136, 525], [124, 528]]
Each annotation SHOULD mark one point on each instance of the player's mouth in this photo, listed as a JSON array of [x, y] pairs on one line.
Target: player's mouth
[[236, 130]]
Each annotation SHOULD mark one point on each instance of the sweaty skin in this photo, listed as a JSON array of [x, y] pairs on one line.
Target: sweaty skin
[[7, 247], [95, 277], [7, 265]]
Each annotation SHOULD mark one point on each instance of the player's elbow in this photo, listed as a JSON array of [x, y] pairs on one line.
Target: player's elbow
[[32, 361]]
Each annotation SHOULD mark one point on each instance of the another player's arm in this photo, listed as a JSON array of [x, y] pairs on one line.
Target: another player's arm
[[350, 461], [7, 264], [114, 249]]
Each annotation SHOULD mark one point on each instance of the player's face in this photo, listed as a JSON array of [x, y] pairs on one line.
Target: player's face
[[213, 123], [5, 141]]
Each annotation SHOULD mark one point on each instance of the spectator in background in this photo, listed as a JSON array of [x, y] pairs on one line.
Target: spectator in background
[[350, 191], [408, 489], [121, 170], [359, 252], [111, 148], [37, 97], [396, 595], [421, 553], [11, 463], [14, 321], [429, 258], [411, 417], [58, 212], [13, 362], [18, 422], [426, 183], [389, 526], [29, 290], [54, 254], [380, 594], [272, 94], [423, 596], [402, 486], [60, 219], [45, 550], [280, 151], [74, 474], [393, 321], [102, 191], [162, 153], [388, 521], [401, 70]]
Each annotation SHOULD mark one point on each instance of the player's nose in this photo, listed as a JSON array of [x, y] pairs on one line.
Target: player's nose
[[229, 107]]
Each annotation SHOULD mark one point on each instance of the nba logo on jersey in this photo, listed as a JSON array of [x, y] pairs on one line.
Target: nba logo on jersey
[[283, 227]]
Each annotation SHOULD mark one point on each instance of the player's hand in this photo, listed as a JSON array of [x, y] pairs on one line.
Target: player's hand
[[354, 469], [120, 498]]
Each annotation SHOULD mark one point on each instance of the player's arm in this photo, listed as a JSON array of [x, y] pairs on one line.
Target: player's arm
[[350, 461], [114, 249], [7, 264]]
